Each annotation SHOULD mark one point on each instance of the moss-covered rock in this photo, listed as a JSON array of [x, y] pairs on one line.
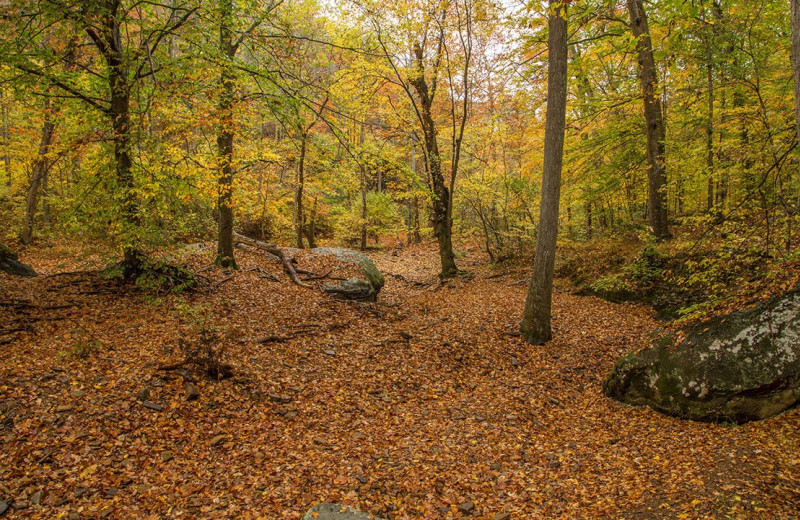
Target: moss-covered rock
[[354, 288], [740, 367]]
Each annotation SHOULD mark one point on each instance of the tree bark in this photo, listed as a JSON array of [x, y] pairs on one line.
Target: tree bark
[[710, 122], [363, 188], [120, 122], [225, 255], [654, 121], [536, 316], [5, 137], [41, 167], [298, 194], [311, 227], [796, 60], [442, 226]]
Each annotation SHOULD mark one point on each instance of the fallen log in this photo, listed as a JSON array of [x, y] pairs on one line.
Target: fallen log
[[273, 250]]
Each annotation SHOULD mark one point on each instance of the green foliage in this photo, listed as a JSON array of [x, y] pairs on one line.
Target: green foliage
[[647, 269], [155, 275], [382, 217], [84, 349]]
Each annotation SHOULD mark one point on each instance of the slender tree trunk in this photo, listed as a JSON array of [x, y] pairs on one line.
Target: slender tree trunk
[[298, 194], [710, 122], [796, 60], [588, 214], [442, 225], [5, 136], [654, 120], [310, 229], [536, 317], [363, 187], [41, 166], [416, 235], [722, 157], [225, 255]]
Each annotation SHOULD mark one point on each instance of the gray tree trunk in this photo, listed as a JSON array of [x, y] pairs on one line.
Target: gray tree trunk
[[298, 194], [654, 121], [41, 167], [536, 317]]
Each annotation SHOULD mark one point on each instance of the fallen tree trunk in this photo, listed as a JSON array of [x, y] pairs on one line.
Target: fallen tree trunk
[[9, 262], [273, 250]]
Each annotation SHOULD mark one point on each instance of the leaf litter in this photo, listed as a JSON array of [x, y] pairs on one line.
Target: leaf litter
[[423, 405]]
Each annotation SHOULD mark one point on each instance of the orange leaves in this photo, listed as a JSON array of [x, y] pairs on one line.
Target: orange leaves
[[414, 428]]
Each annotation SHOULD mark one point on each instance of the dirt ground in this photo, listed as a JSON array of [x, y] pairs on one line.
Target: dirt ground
[[408, 408]]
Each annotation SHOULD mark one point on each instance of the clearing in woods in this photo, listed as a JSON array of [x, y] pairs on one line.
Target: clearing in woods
[[408, 408]]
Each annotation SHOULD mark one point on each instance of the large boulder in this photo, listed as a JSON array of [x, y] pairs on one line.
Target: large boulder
[[9, 262], [740, 367], [336, 512], [364, 288]]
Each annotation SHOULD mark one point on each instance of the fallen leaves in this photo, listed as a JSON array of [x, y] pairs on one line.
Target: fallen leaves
[[425, 405]]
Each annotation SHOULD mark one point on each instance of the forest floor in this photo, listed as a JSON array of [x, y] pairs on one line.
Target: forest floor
[[407, 408]]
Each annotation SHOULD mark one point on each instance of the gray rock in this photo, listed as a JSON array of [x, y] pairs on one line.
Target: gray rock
[[3, 507], [143, 394], [9, 262], [467, 508], [152, 406], [336, 512], [36, 498], [740, 367], [359, 289], [191, 391], [354, 289]]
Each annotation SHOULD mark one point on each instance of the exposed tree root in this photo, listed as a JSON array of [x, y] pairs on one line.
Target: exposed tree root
[[273, 250]]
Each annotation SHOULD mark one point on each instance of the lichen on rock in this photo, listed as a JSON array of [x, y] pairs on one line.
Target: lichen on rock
[[740, 367]]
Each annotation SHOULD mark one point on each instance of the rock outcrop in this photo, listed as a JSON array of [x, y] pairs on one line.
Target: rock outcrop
[[336, 512], [364, 288], [740, 367], [9, 263]]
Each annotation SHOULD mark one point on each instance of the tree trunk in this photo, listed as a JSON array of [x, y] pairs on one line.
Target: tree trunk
[[41, 166], [363, 189], [225, 255], [4, 135], [796, 60], [710, 122], [120, 114], [298, 194], [442, 225], [536, 317], [654, 121], [310, 229]]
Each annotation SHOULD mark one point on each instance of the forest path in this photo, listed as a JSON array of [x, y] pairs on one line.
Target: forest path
[[407, 408]]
